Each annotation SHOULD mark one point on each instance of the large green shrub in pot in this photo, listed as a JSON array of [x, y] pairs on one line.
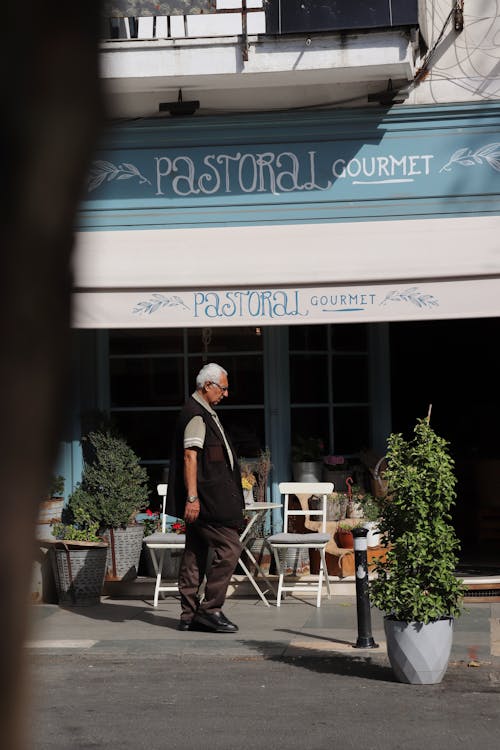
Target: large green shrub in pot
[[417, 583], [114, 484], [416, 587]]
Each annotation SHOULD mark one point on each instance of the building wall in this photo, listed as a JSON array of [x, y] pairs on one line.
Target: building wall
[[307, 71], [465, 66]]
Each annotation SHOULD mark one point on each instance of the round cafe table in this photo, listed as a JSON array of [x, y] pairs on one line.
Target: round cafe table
[[258, 511]]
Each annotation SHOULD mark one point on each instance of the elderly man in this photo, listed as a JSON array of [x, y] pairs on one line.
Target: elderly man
[[205, 489]]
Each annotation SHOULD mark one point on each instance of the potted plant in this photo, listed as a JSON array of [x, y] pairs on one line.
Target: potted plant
[[416, 586], [112, 491], [79, 563], [248, 481], [344, 535], [307, 459], [371, 514]]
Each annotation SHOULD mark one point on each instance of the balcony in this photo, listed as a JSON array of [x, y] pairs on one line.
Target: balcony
[[174, 19], [254, 54]]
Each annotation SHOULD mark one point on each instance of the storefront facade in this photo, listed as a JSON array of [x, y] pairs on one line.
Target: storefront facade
[[284, 247]]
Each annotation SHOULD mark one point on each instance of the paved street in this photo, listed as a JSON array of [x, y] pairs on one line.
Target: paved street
[[121, 676]]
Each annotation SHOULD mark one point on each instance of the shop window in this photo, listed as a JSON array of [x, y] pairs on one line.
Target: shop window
[[246, 428], [352, 429], [308, 338], [350, 379], [308, 378], [151, 373], [217, 340], [349, 338], [246, 381], [146, 381], [156, 341], [148, 432], [329, 385], [310, 422]]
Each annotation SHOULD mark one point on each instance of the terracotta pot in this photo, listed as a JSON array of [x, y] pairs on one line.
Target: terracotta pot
[[345, 539]]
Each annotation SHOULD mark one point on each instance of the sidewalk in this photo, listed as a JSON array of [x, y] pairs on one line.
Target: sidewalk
[[132, 626]]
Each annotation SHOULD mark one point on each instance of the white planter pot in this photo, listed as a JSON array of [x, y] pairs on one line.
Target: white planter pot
[[418, 652], [248, 496], [307, 471], [373, 538], [354, 510]]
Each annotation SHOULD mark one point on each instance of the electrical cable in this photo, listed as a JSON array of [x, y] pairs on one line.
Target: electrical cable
[[421, 72]]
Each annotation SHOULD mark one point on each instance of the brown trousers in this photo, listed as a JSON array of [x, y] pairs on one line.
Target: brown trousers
[[226, 547]]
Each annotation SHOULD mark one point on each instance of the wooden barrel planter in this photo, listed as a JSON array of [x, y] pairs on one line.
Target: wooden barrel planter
[[50, 512]]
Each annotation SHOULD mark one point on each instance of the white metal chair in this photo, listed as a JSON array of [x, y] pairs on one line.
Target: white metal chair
[[314, 540], [159, 542]]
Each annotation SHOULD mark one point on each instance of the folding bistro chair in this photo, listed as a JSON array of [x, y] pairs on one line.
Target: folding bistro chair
[[314, 540], [159, 542]]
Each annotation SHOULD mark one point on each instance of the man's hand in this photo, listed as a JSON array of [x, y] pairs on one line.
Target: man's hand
[[192, 511]]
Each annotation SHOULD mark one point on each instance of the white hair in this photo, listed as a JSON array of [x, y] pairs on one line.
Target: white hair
[[209, 372]]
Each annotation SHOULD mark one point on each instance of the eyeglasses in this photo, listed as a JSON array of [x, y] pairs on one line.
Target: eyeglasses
[[223, 388]]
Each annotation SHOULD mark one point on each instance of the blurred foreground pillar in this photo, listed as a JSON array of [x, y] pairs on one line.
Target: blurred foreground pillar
[[49, 123]]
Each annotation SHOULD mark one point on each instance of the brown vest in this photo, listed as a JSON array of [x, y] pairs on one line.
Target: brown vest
[[218, 485]]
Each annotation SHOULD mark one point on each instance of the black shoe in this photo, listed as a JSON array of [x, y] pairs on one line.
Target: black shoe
[[215, 622], [227, 621], [184, 625]]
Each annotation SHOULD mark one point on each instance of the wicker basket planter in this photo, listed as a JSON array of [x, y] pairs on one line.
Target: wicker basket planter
[[124, 552], [79, 569]]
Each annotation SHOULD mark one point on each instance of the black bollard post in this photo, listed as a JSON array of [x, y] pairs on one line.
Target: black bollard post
[[365, 638]]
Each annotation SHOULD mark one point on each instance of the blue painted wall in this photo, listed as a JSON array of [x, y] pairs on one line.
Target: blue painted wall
[[344, 165]]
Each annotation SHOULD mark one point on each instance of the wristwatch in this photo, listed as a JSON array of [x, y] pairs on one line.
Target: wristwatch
[[192, 498]]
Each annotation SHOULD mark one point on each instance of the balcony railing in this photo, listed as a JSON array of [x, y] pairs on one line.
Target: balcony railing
[[173, 19], [177, 19]]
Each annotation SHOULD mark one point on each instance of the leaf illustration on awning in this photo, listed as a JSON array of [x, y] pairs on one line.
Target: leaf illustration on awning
[[465, 157]]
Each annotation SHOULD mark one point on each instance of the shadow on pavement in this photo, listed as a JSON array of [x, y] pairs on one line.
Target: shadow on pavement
[[354, 666]]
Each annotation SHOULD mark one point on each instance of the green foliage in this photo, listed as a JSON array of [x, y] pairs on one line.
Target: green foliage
[[417, 583], [114, 485], [307, 449], [372, 508], [56, 486], [151, 525], [81, 533], [347, 526]]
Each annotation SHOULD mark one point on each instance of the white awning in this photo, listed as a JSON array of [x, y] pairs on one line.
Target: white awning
[[365, 271]]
